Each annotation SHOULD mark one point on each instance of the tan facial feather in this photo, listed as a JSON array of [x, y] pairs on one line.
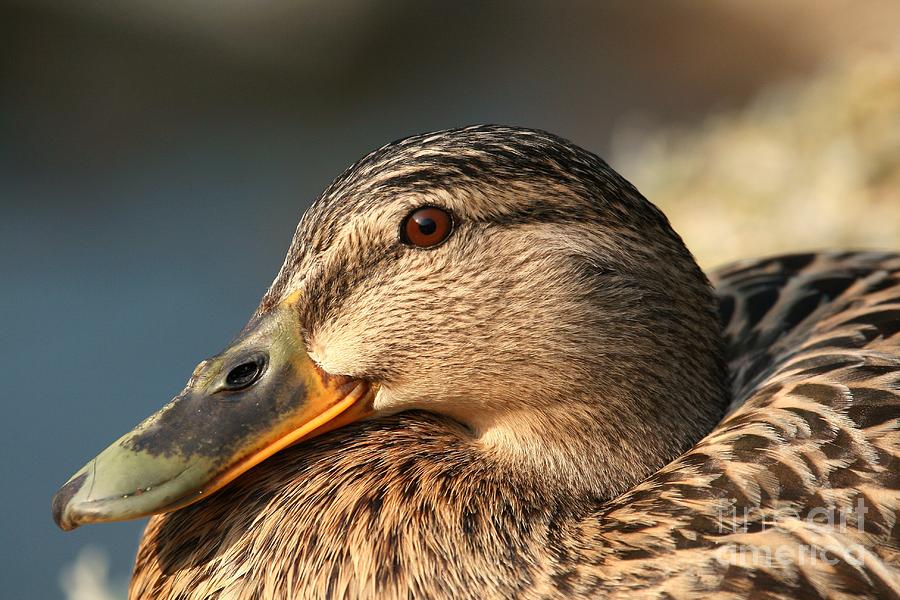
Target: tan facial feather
[[560, 347]]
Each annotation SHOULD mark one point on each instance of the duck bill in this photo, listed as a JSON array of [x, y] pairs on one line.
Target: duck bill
[[257, 397]]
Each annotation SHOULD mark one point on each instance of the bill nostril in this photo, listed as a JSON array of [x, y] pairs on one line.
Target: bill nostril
[[246, 373], [242, 374]]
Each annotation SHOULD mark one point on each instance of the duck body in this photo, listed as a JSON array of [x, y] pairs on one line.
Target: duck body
[[793, 495], [490, 368]]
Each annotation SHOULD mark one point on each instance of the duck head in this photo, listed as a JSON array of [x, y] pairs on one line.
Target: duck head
[[500, 277]]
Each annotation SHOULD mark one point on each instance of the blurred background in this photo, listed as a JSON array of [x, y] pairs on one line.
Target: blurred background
[[155, 156]]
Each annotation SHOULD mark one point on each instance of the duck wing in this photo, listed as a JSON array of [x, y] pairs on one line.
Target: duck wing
[[796, 492]]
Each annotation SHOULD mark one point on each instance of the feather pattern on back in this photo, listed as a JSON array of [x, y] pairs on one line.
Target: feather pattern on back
[[795, 494]]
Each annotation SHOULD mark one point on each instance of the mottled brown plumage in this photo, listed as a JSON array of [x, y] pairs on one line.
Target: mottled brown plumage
[[542, 377]]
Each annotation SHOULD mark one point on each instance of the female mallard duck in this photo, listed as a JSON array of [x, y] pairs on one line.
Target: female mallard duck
[[529, 375]]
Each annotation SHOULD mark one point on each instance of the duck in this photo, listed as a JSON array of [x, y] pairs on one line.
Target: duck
[[489, 367]]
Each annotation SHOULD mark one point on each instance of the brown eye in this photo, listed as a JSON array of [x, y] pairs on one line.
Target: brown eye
[[426, 227]]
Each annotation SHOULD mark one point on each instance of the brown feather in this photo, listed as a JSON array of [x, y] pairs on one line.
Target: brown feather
[[433, 502]]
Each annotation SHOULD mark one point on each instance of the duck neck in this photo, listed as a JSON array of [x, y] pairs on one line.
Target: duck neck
[[385, 508], [575, 451]]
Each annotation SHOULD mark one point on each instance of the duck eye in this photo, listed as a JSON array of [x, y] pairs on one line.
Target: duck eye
[[426, 227], [245, 374]]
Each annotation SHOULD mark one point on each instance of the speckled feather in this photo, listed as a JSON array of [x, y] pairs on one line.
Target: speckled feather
[[766, 503], [402, 506]]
